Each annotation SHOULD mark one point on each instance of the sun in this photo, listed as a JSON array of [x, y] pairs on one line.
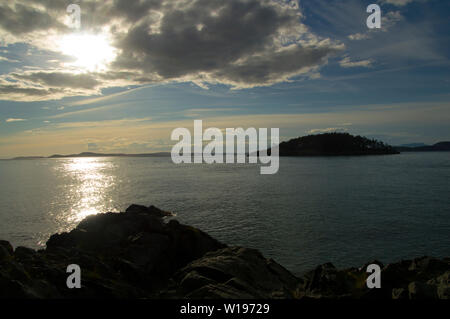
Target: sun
[[91, 52]]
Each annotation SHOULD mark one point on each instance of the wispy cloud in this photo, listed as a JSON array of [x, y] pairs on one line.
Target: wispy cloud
[[126, 135], [347, 63], [10, 120], [5, 59], [86, 111], [400, 3], [358, 36]]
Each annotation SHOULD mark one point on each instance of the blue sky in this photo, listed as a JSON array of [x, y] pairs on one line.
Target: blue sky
[[133, 73]]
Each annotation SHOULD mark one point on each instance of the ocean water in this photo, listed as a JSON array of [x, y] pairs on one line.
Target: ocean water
[[344, 210]]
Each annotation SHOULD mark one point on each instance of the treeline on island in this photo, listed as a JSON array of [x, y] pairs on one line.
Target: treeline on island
[[333, 144]]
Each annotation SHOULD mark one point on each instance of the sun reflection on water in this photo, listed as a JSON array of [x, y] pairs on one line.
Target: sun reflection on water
[[88, 190]]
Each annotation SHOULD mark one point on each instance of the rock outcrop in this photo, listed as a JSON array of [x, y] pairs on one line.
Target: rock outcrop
[[143, 253], [130, 255], [233, 273], [420, 278]]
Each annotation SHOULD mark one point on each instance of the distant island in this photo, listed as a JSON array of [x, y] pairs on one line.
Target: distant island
[[326, 144], [438, 147], [334, 144], [90, 154]]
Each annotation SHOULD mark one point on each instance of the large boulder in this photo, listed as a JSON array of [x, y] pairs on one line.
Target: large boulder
[[137, 239], [420, 278], [442, 284], [420, 290], [326, 281], [150, 210], [234, 272]]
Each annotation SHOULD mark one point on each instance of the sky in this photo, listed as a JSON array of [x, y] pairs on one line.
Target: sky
[[132, 71]]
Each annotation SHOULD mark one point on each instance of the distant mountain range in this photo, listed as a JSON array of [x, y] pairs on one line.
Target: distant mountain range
[[412, 145], [416, 147], [90, 154], [327, 144]]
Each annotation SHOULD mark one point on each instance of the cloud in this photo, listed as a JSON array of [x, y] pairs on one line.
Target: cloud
[[234, 42], [390, 19], [93, 147], [59, 79], [19, 18], [239, 43], [4, 59], [10, 120], [347, 63], [151, 136], [400, 3], [274, 66], [358, 36], [45, 85]]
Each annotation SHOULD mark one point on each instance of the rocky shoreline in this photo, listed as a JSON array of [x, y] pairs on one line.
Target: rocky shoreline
[[141, 253]]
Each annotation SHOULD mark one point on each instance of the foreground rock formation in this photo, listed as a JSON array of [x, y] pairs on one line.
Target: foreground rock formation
[[141, 254]]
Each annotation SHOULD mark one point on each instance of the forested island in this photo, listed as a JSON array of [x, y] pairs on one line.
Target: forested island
[[334, 144]]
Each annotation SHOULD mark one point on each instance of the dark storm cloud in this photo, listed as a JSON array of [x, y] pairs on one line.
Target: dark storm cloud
[[133, 10], [193, 40], [21, 19], [233, 42], [273, 67], [214, 37], [16, 90], [30, 86], [60, 79]]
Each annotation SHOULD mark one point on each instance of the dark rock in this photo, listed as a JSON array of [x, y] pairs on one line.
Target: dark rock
[[442, 284], [141, 238], [24, 253], [233, 272], [401, 280], [6, 250], [7, 246], [151, 210], [428, 266], [14, 289], [328, 282], [146, 249], [375, 262], [399, 293], [138, 254], [419, 290], [397, 275], [43, 290], [194, 280]]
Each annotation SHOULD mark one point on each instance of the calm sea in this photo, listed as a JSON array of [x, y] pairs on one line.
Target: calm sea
[[346, 210]]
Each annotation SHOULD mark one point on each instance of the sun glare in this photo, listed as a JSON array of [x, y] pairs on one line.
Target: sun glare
[[91, 52]]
